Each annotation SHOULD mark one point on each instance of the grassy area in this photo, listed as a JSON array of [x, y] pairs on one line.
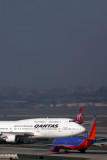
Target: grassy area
[[37, 144], [32, 157], [98, 148]]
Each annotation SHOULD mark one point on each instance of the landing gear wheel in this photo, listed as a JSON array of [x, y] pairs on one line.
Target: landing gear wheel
[[82, 150], [56, 149], [66, 151], [19, 141]]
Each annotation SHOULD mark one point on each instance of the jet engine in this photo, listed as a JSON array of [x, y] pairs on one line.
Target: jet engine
[[10, 138]]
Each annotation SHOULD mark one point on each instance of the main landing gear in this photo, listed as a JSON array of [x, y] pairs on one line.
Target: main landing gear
[[66, 151], [82, 150], [56, 149]]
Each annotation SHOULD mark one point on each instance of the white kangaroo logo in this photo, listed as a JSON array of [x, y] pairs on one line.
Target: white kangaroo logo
[[79, 116]]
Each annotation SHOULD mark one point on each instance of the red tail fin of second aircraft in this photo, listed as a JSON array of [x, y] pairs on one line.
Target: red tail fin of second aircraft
[[78, 119]]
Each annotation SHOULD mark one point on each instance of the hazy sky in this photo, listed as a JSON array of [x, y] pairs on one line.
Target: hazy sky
[[53, 43]]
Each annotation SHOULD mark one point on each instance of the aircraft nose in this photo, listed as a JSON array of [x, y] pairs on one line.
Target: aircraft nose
[[82, 129]]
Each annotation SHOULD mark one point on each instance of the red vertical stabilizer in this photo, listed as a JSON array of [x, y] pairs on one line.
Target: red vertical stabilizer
[[78, 119]]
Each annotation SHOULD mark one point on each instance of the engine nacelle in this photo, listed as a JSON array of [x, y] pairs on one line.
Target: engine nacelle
[[10, 138]]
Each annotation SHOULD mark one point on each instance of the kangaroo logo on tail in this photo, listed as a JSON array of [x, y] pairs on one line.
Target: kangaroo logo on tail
[[79, 116], [78, 119]]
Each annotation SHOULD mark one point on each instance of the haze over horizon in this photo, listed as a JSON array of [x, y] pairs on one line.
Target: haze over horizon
[[47, 44]]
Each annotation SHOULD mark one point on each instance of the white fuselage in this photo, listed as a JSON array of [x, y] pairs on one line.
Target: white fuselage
[[42, 127]]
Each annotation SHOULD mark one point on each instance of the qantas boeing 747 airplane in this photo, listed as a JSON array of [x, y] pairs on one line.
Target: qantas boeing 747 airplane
[[14, 131]]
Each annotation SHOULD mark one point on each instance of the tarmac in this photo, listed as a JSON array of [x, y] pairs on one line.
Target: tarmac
[[90, 154], [101, 130]]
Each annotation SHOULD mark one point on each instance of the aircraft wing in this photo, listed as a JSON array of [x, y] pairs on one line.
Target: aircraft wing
[[17, 133], [87, 122], [100, 144]]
